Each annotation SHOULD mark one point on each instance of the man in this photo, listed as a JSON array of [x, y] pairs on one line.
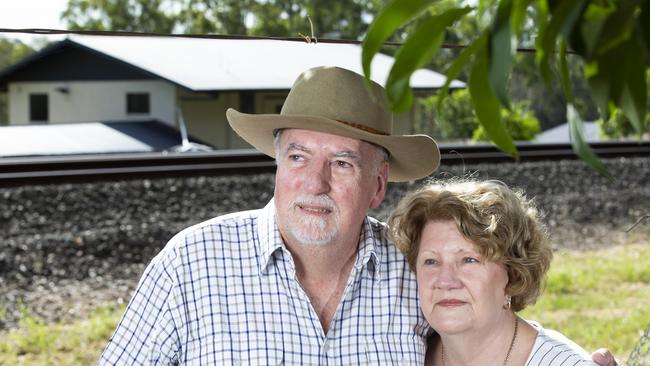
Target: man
[[309, 279]]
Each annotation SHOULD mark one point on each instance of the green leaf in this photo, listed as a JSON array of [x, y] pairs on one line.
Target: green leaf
[[644, 24], [634, 93], [393, 16], [487, 105], [518, 16], [564, 73], [458, 64], [618, 77], [416, 51], [562, 21], [593, 22], [579, 144], [501, 52]]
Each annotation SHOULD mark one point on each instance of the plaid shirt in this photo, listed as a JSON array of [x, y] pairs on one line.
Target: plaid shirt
[[226, 292]]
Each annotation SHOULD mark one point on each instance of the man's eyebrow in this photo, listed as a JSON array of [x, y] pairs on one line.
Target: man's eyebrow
[[296, 146], [348, 154]]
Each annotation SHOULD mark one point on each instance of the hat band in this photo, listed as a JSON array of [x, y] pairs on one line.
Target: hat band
[[363, 128]]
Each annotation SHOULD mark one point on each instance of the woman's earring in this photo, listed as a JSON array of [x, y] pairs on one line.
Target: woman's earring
[[508, 302]]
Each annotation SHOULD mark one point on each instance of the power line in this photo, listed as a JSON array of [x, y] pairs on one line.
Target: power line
[[48, 31]]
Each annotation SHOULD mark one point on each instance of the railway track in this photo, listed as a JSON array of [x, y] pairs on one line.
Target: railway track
[[31, 170]]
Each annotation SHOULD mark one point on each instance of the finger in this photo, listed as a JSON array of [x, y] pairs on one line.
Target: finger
[[603, 357]]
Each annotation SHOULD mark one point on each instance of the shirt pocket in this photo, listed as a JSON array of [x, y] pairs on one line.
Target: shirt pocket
[[225, 352], [387, 350]]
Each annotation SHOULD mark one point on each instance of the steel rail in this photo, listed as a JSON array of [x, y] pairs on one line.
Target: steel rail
[[50, 169]]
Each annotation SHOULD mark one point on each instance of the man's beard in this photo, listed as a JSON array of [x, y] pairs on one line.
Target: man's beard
[[312, 230]]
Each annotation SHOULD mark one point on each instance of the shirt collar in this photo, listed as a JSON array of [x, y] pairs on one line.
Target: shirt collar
[[269, 235], [270, 241]]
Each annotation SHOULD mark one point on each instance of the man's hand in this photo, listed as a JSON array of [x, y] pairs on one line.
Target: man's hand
[[603, 357]]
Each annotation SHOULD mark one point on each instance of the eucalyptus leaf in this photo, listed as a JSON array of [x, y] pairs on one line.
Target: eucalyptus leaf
[[562, 21], [487, 107], [634, 94], [458, 64], [518, 16], [393, 16], [644, 24], [501, 52], [579, 144], [564, 73], [416, 51]]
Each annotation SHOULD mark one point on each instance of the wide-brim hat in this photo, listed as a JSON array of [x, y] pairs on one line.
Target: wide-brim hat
[[340, 102]]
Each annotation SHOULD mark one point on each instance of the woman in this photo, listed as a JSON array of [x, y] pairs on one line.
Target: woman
[[480, 253]]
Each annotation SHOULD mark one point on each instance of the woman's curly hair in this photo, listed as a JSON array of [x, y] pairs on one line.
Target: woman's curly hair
[[503, 224]]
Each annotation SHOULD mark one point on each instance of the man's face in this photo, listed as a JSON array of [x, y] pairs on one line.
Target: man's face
[[324, 186]]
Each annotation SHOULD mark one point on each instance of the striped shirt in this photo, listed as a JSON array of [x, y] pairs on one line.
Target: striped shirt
[[226, 292], [554, 349]]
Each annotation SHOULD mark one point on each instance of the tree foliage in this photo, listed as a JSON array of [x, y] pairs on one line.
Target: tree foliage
[[611, 37], [456, 119], [331, 18], [518, 120]]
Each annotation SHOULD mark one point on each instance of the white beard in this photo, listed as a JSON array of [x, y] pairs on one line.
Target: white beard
[[314, 231]]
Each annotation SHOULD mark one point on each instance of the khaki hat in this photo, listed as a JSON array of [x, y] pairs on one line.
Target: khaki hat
[[337, 101]]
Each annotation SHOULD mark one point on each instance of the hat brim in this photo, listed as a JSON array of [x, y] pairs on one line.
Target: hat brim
[[411, 156]]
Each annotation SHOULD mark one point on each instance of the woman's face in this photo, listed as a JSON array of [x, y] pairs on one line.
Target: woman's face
[[459, 290]]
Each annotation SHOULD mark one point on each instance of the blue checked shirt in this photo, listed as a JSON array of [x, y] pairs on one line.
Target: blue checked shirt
[[225, 292]]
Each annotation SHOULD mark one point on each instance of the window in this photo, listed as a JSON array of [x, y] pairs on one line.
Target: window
[[137, 103], [38, 108]]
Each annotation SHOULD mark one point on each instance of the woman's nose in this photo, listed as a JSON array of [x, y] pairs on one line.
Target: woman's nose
[[447, 277]]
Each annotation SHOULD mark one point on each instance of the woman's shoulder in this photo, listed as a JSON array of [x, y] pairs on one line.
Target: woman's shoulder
[[552, 348]]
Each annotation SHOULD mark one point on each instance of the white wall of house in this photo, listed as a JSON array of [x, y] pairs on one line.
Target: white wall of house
[[87, 101], [205, 115]]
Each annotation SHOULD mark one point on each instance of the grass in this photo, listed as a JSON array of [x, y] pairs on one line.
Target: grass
[[80, 342], [597, 298]]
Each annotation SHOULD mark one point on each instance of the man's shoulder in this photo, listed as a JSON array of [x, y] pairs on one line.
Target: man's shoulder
[[236, 228], [237, 219]]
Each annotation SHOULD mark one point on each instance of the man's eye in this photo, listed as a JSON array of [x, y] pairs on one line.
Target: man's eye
[[295, 157], [343, 164]]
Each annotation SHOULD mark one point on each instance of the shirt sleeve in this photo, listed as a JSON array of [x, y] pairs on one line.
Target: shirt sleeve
[[147, 333]]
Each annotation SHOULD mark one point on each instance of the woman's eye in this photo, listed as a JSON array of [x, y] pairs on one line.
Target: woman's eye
[[430, 262], [470, 260]]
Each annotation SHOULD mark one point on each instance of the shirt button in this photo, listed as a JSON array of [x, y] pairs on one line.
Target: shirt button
[[326, 347]]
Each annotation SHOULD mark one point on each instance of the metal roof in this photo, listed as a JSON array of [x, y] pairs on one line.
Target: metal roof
[[561, 134], [224, 64], [86, 138]]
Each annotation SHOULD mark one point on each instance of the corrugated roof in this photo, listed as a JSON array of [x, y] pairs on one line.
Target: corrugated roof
[[561, 134], [86, 138], [222, 64]]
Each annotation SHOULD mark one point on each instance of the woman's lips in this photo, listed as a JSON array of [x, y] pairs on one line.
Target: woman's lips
[[450, 303]]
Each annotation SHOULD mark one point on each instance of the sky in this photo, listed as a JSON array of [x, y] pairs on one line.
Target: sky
[[30, 14]]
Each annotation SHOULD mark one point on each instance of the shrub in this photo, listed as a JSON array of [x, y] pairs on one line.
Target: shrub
[[521, 123]]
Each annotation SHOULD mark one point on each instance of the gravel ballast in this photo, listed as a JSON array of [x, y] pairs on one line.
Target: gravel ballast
[[66, 248]]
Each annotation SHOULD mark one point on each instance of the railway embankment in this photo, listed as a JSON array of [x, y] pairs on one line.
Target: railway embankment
[[65, 247]]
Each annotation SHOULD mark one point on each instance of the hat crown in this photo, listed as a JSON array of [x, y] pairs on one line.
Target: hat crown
[[342, 95]]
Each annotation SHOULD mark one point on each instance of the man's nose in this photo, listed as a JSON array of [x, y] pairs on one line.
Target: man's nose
[[318, 178]]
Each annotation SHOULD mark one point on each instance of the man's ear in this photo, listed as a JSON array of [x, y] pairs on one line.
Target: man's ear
[[382, 185]]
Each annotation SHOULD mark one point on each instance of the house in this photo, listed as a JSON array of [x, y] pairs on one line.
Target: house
[[118, 78]]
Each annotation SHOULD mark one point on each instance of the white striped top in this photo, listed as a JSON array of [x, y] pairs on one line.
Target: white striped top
[[554, 349]]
